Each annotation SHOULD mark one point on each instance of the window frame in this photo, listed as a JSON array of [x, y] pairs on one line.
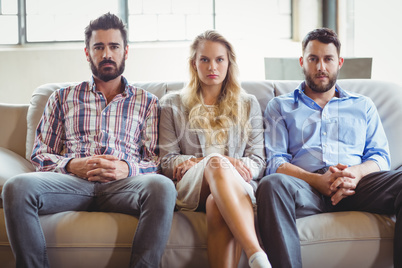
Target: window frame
[[123, 14]]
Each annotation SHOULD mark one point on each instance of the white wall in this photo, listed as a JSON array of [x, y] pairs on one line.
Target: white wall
[[22, 70], [377, 34]]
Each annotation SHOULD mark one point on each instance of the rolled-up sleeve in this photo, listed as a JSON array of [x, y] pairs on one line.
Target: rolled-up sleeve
[[376, 147], [276, 138]]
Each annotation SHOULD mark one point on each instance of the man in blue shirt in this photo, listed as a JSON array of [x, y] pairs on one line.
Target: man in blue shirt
[[309, 132]]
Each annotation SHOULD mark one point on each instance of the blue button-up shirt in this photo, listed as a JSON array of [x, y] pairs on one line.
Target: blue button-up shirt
[[347, 130]]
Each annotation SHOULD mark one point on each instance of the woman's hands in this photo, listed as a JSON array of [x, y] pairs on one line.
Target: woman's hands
[[239, 165], [182, 168]]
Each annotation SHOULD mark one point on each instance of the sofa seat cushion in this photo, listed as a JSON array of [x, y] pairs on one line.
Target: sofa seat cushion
[[94, 239], [97, 239], [360, 239]]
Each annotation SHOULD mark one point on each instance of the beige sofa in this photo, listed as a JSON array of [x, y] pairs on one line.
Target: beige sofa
[[84, 239]]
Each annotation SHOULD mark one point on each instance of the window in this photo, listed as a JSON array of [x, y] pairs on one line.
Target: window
[[50, 20], [9, 22], [147, 20], [161, 20]]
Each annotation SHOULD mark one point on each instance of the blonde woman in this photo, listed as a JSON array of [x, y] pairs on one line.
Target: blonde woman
[[211, 144]]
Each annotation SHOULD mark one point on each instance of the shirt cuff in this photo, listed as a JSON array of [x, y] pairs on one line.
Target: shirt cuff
[[62, 165], [133, 169], [274, 163]]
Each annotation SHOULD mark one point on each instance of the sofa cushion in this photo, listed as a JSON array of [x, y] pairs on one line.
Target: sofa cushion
[[263, 89], [13, 124], [93, 239], [360, 239], [35, 111]]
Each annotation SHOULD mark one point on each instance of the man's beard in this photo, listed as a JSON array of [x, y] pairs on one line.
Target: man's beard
[[320, 88], [106, 75]]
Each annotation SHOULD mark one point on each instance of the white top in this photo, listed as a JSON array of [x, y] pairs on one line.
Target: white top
[[215, 148]]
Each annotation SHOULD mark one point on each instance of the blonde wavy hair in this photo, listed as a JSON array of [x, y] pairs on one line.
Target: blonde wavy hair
[[231, 108]]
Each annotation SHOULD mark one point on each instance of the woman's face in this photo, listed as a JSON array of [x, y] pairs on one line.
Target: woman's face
[[211, 63]]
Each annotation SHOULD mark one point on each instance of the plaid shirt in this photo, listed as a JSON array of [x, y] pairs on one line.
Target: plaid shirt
[[77, 122]]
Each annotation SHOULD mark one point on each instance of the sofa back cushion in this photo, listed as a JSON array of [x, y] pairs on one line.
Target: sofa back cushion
[[35, 111], [386, 96], [263, 89]]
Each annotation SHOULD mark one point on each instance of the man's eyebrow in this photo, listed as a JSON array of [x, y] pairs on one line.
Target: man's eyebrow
[[110, 44], [325, 56]]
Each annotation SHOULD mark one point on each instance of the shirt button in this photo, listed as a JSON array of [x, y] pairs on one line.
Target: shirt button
[[324, 133]]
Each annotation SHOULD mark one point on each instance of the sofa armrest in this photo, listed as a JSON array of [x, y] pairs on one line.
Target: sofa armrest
[[13, 122], [12, 164]]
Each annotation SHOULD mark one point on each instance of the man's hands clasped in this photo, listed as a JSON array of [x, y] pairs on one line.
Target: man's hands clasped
[[338, 183], [100, 168]]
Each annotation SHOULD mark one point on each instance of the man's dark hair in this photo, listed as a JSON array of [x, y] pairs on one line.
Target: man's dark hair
[[324, 35], [106, 22]]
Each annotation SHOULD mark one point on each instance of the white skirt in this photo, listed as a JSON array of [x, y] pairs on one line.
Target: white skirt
[[189, 187]]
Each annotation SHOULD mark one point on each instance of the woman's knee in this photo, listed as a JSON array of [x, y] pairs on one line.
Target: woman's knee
[[216, 167]]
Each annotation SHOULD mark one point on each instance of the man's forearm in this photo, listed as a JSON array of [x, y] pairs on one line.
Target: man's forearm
[[359, 171], [297, 172]]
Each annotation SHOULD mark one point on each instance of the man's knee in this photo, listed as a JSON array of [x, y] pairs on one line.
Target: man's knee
[[17, 191], [160, 186], [17, 185], [271, 184]]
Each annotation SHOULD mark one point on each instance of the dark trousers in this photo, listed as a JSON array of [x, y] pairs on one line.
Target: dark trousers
[[281, 199]]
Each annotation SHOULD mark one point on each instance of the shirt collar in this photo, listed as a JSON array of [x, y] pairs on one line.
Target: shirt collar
[[92, 85], [299, 91]]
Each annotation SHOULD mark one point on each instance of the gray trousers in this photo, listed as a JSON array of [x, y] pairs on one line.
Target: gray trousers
[[281, 199], [26, 196]]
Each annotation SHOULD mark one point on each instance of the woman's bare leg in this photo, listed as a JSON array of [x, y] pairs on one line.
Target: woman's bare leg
[[223, 250], [234, 205]]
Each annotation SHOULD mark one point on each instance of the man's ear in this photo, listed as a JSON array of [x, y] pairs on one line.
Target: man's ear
[[86, 53], [301, 61], [126, 52], [341, 60]]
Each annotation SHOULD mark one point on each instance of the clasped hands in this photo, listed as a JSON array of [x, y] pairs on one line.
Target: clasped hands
[[100, 168], [338, 183]]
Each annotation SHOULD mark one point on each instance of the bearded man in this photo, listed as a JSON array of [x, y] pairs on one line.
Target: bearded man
[[95, 150], [326, 151]]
